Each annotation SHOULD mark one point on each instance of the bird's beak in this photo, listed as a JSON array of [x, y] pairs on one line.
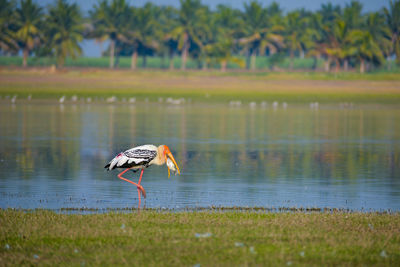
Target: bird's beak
[[173, 160]]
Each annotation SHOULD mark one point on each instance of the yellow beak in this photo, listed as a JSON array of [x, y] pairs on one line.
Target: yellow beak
[[173, 160]]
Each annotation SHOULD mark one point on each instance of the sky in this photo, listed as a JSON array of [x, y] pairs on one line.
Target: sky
[[287, 5], [91, 49]]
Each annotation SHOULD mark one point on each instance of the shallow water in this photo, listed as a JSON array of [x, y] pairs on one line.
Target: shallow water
[[52, 156]]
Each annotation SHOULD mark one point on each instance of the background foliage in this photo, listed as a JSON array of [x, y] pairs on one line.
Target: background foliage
[[259, 36]]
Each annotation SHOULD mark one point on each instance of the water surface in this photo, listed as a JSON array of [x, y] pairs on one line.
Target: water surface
[[52, 155]]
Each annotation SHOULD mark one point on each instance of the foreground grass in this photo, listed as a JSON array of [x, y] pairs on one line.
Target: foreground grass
[[203, 86], [207, 238]]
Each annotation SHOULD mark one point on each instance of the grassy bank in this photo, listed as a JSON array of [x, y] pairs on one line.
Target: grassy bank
[[202, 86], [158, 62], [265, 63], [206, 238]]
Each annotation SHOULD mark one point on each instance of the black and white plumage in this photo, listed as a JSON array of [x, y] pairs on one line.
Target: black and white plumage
[[134, 158], [141, 157]]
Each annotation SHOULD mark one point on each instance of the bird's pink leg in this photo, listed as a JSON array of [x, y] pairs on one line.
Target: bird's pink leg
[[139, 187], [122, 178], [142, 189]]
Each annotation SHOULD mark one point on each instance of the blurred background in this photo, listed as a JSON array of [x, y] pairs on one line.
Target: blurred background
[[343, 35]]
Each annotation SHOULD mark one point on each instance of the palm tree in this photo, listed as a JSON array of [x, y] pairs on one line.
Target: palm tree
[[226, 23], [337, 31], [141, 32], [204, 36], [323, 22], [186, 30], [259, 32], [134, 36], [340, 46], [352, 15], [380, 32], [221, 52], [29, 27], [296, 26], [7, 25], [334, 30], [167, 21], [110, 20], [353, 19], [312, 38], [227, 19], [65, 30], [393, 22], [367, 49], [329, 13]]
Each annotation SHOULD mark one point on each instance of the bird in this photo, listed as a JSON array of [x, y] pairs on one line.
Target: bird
[[140, 158]]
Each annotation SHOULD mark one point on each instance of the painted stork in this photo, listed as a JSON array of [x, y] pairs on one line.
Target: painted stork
[[141, 157]]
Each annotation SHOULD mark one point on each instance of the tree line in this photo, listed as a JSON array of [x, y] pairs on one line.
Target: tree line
[[343, 37]]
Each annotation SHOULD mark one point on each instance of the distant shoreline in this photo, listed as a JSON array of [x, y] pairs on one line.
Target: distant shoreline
[[199, 86], [157, 63]]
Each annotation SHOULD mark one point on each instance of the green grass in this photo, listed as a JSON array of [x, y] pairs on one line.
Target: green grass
[[152, 62], [202, 86], [264, 63], [151, 238]]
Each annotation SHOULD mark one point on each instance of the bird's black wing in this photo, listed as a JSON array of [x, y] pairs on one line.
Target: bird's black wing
[[140, 155], [134, 157]]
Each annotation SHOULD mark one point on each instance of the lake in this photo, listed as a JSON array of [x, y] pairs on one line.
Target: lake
[[52, 156]]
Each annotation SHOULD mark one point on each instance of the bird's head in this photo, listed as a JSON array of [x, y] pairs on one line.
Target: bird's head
[[168, 155]]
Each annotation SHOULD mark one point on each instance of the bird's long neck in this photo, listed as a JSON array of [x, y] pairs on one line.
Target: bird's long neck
[[160, 159]]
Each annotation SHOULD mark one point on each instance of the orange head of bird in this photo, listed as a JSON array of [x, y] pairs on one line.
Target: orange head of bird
[[170, 161]]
